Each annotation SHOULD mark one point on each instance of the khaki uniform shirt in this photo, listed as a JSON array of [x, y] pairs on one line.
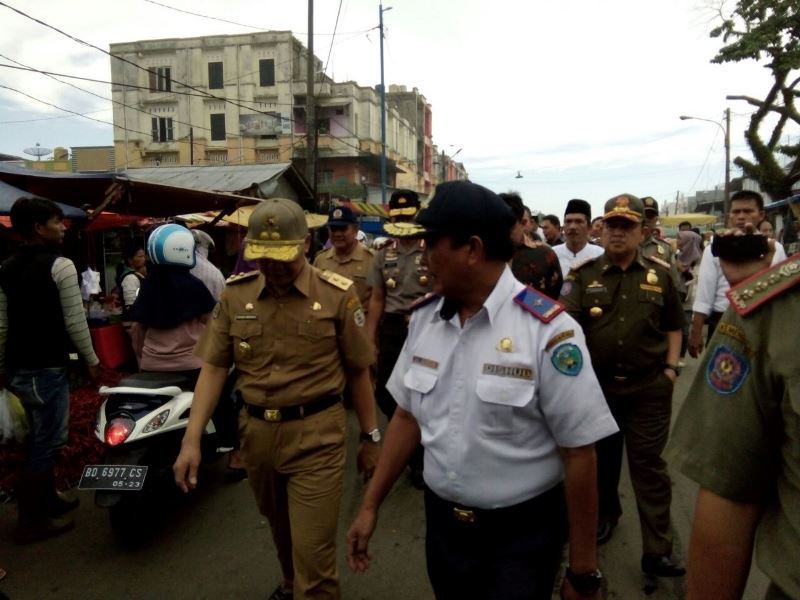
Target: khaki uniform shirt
[[624, 314], [399, 272], [290, 349], [738, 433], [654, 247], [355, 266]]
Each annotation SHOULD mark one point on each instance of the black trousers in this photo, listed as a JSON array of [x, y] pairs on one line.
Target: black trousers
[[509, 553]]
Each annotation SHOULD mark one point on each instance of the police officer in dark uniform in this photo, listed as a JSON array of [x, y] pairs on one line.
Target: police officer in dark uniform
[[398, 278], [629, 309], [653, 246]]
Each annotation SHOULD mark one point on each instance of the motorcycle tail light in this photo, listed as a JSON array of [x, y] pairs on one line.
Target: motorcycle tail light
[[156, 422], [118, 430]]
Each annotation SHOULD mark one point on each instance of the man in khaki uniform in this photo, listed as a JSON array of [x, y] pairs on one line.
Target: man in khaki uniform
[[296, 335], [652, 245], [629, 309], [398, 278], [738, 436], [346, 255]]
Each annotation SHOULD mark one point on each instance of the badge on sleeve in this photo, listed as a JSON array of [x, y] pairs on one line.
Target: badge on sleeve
[[567, 359], [215, 312], [359, 317], [726, 370], [566, 288]]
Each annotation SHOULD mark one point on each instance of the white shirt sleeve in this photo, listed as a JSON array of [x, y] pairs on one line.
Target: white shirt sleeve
[[780, 253], [707, 279], [569, 393], [130, 288]]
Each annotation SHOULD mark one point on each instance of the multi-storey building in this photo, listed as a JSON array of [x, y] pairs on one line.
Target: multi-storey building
[[241, 99]]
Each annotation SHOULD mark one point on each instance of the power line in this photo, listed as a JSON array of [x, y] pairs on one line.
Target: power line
[[194, 14], [93, 112], [705, 162]]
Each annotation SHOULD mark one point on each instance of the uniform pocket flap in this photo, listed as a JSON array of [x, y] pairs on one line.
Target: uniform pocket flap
[[505, 391], [245, 329], [419, 380]]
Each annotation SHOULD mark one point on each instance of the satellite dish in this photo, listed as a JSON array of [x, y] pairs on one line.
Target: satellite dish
[[38, 151]]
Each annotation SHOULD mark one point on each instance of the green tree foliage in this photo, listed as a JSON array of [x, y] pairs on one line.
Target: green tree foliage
[[767, 31]]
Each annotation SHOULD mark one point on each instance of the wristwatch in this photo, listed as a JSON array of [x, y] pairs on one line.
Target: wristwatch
[[675, 368], [585, 584], [373, 437]]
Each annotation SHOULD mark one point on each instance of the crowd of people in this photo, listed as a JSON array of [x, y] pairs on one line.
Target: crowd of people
[[513, 357]]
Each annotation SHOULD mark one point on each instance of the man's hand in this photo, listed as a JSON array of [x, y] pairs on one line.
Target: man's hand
[[358, 539], [569, 593], [185, 467], [671, 375], [695, 342], [367, 458], [738, 272]]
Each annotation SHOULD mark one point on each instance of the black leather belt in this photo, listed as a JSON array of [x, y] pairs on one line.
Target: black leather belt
[[289, 413]]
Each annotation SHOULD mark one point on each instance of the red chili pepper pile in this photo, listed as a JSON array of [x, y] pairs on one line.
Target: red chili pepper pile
[[83, 447]]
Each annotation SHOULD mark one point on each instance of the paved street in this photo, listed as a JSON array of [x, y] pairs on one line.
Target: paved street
[[215, 545]]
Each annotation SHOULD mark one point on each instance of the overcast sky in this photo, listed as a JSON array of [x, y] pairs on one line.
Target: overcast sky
[[579, 96]]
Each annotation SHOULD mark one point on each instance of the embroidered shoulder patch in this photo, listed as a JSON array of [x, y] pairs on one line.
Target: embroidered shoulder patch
[[239, 277], [765, 285], [564, 335], [540, 306], [336, 280], [567, 359], [727, 370], [424, 301]]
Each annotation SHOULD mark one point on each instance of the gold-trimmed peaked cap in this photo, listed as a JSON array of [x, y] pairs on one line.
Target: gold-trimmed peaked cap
[[276, 230], [624, 206], [404, 204]]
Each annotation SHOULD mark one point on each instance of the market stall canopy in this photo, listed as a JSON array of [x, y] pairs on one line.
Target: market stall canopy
[[119, 193], [10, 194], [793, 202], [693, 218]]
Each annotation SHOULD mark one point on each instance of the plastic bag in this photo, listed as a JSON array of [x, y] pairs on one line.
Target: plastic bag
[[13, 420]]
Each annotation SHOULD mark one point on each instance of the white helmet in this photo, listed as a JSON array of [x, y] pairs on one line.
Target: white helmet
[[171, 245]]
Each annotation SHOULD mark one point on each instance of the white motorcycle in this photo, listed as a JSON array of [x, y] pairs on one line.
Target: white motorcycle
[[141, 423]]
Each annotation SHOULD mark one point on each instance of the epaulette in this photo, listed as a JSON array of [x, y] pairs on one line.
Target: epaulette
[[540, 306], [239, 277], [760, 288], [658, 261], [336, 280], [424, 301]]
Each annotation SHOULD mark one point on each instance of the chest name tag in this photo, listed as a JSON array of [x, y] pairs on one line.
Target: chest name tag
[[651, 288], [245, 318], [425, 362], [506, 371]]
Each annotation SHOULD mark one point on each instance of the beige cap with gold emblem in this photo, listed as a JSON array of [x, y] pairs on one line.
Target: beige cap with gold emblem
[[625, 206], [277, 230]]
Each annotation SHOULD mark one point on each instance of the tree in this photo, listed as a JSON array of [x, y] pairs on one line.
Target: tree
[[766, 30]]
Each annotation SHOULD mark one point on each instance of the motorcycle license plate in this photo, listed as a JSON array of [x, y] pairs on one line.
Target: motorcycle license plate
[[112, 477]]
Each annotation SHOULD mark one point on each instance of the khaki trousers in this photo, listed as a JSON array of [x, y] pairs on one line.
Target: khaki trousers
[[295, 469]]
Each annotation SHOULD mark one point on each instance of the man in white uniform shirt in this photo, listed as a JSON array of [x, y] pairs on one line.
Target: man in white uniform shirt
[[576, 249], [496, 381], [710, 299]]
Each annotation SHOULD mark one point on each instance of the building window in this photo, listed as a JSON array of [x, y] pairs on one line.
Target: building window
[[218, 127], [217, 158], [156, 160], [215, 76], [271, 155], [160, 79], [162, 129], [266, 72], [326, 176], [324, 126]]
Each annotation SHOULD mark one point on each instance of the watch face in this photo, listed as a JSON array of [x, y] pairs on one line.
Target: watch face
[[375, 435]]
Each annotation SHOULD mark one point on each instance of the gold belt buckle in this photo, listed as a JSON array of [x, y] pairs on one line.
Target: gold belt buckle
[[463, 515], [272, 415], [621, 378]]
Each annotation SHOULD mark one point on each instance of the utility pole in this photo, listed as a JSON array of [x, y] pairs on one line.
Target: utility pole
[[191, 146], [727, 205], [383, 110], [311, 109]]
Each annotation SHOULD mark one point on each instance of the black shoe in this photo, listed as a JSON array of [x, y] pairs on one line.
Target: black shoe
[[605, 528], [281, 594], [660, 565], [234, 474]]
